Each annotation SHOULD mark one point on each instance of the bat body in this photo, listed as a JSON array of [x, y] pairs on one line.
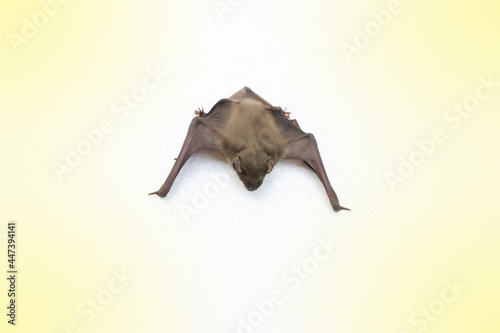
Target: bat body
[[253, 135]]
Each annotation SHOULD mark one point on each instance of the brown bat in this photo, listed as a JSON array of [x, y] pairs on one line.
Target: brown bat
[[254, 136]]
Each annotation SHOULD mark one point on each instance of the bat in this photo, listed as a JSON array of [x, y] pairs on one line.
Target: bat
[[253, 135]]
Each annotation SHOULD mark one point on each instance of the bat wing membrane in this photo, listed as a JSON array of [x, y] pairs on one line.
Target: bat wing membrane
[[303, 146], [202, 135]]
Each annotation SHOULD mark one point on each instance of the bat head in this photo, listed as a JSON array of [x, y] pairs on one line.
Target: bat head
[[252, 166]]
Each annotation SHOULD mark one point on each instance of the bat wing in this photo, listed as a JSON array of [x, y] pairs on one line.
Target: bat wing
[[303, 146], [202, 135]]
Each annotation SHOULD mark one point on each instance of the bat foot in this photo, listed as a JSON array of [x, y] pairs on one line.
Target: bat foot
[[200, 113], [279, 109], [287, 114]]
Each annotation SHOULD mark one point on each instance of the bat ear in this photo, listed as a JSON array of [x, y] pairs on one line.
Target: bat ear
[[236, 164], [270, 165]]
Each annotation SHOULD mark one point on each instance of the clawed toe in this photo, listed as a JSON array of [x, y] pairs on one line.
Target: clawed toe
[[200, 113]]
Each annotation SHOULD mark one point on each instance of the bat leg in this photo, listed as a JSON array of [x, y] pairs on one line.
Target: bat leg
[[199, 137], [305, 148]]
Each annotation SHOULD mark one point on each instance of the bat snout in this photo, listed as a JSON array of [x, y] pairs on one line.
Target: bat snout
[[252, 186]]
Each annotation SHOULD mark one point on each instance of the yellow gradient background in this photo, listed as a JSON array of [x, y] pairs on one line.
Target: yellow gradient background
[[398, 246]]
